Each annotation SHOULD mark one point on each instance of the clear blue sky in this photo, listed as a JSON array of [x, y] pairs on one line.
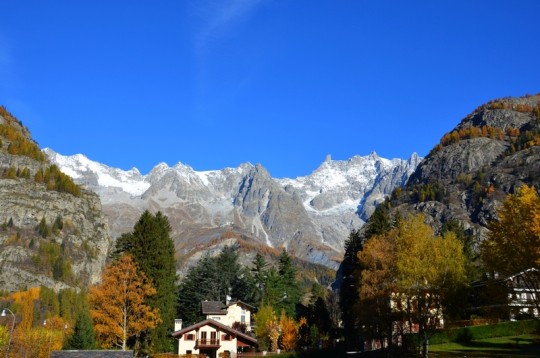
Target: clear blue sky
[[279, 82]]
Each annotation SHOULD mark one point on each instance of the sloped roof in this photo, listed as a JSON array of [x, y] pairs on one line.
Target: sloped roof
[[242, 303], [213, 307], [215, 324]]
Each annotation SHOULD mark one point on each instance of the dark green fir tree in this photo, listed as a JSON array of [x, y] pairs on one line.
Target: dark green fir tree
[[151, 245]]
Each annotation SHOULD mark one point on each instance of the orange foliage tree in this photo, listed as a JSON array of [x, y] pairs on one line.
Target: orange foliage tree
[[118, 305], [289, 332], [39, 340]]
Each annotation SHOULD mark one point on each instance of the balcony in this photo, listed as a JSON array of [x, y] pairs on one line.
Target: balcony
[[207, 343]]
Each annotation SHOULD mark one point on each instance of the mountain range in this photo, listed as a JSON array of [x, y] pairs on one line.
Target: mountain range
[[310, 216], [57, 234]]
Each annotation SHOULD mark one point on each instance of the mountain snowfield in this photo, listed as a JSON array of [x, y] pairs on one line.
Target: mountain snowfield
[[311, 216]]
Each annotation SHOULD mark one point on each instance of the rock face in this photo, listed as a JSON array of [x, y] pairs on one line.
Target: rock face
[[70, 246], [310, 216], [492, 152]]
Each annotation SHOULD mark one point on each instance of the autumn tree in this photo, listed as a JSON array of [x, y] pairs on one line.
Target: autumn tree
[[376, 287], [428, 268], [118, 305], [379, 223], [4, 338], [263, 319], [407, 276], [289, 332], [513, 243], [152, 249]]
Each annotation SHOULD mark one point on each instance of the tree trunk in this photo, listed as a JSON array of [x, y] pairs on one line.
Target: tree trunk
[[425, 344]]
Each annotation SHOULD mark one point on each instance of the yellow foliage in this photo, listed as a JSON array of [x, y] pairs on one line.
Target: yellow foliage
[[118, 304], [513, 243], [37, 342]]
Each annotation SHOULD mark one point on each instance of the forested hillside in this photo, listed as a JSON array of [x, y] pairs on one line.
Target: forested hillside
[[454, 198]]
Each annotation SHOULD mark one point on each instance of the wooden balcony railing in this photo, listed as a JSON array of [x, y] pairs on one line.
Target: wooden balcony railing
[[207, 343]]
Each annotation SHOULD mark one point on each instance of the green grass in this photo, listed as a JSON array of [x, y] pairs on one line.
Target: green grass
[[515, 346]]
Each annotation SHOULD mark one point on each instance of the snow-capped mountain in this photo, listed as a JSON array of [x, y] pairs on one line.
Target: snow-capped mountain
[[311, 216]]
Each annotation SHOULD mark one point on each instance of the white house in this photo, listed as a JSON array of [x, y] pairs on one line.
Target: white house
[[212, 339], [229, 314], [215, 337]]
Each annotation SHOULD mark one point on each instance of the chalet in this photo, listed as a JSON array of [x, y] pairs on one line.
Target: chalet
[[224, 332], [509, 297], [233, 314]]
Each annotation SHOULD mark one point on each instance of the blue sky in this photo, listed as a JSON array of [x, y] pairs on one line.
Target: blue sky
[[213, 84]]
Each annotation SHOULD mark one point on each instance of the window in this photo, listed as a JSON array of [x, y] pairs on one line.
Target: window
[[243, 316], [188, 351], [189, 337], [227, 337]]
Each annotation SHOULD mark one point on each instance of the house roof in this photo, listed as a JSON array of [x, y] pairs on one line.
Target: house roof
[[215, 324], [241, 303], [502, 280], [213, 307]]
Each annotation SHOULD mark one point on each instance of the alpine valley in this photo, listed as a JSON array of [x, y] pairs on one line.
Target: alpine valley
[[58, 234]]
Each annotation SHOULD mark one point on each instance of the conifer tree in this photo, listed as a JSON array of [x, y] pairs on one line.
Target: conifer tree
[[289, 285], [83, 337], [153, 251]]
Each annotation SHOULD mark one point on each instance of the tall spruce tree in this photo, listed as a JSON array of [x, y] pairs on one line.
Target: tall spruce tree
[[151, 246], [289, 285]]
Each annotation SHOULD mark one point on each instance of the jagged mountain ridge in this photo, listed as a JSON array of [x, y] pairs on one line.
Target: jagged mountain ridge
[[311, 216]]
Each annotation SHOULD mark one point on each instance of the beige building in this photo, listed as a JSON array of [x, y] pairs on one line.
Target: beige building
[[215, 337]]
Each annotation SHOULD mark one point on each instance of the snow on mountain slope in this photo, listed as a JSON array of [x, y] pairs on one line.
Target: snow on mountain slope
[[311, 215], [344, 185], [80, 168]]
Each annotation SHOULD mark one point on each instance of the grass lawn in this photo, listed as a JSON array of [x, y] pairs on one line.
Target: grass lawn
[[517, 346]]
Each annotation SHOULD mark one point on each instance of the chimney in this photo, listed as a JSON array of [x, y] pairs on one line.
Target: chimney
[[177, 324], [328, 158]]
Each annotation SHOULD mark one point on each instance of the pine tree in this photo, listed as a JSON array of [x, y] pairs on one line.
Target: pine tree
[[259, 273], [83, 337], [348, 294], [289, 285], [213, 279], [153, 251]]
